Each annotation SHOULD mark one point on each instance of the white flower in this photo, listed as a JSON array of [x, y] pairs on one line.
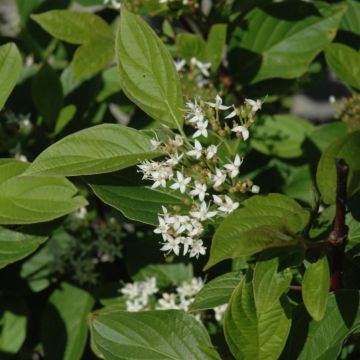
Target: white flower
[[219, 177], [115, 4], [197, 249], [201, 129], [161, 175], [194, 112], [134, 305], [172, 244], [218, 104], [199, 190], [179, 65], [177, 141], [181, 182], [211, 151], [220, 312], [187, 242], [168, 301], [255, 189], [131, 290], [155, 143], [162, 228], [190, 289], [232, 114], [233, 168], [243, 130], [196, 153], [174, 159], [197, 228], [217, 200], [254, 104], [228, 206], [203, 213], [149, 287], [203, 67]]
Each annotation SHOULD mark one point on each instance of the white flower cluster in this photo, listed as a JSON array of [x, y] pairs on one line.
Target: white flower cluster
[[195, 171], [115, 4], [202, 70], [138, 297]]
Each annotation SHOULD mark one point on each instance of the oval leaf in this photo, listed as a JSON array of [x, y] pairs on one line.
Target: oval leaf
[[10, 68], [65, 318], [315, 288], [164, 334], [147, 71], [262, 222], [347, 148], [15, 245], [217, 291], [99, 149], [251, 334], [27, 200], [269, 283]]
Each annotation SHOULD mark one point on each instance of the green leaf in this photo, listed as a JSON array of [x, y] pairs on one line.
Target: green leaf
[[322, 340], [10, 68], [347, 148], [15, 245], [73, 26], [65, 116], [64, 328], [92, 57], [325, 134], [351, 20], [190, 45], [99, 149], [47, 94], [315, 288], [281, 135], [139, 203], [251, 334], [166, 274], [215, 45], [217, 291], [262, 222], [13, 322], [147, 71], [269, 283], [164, 334], [27, 200], [344, 61], [273, 44]]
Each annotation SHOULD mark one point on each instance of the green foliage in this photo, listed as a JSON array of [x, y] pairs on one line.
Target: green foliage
[[118, 334], [346, 148], [96, 150], [251, 333], [10, 68], [315, 287], [263, 222], [151, 81]]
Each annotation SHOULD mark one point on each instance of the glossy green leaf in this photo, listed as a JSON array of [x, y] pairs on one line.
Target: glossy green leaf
[[99, 149], [10, 68], [217, 291], [92, 57], [65, 116], [269, 283], [15, 245], [73, 26], [64, 328], [190, 45], [281, 135], [47, 94], [27, 199], [272, 43], [347, 148], [315, 288], [322, 340], [344, 61], [166, 274], [147, 71], [215, 45], [323, 135], [139, 203], [164, 334], [251, 334], [262, 222], [13, 323]]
